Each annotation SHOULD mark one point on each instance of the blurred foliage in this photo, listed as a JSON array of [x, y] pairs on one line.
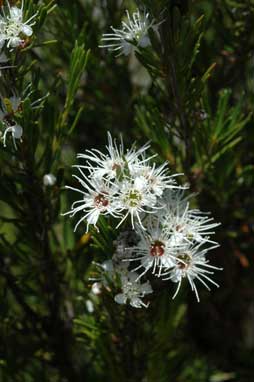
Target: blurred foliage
[[192, 95]]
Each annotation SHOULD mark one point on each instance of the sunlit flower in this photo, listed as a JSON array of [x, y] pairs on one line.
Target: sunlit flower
[[186, 225], [13, 28], [191, 264], [133, 291], [157, 177], [121, 183], [117, 162], [134, 33], [153, 250], [98, 198], [135, 200]]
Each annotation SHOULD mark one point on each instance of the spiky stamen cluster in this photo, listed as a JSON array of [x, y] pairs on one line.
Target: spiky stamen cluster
[[132, 35], [171, 239], [121, 183], [13, 28], [175, 244]]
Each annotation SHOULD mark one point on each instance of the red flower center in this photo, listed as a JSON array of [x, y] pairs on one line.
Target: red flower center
[[157, 249], [101, 201]]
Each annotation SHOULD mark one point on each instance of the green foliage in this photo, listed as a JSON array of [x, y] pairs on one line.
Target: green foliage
[[191, 94]]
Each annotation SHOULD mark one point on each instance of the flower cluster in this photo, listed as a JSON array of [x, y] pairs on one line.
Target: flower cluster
[[174, 245], [169, 239], [132, 35], [130, 290], [155, 252], [13, 28], [14, 32], [120, 184]]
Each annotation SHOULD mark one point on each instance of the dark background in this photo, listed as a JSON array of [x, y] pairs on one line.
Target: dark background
[[192, 95]]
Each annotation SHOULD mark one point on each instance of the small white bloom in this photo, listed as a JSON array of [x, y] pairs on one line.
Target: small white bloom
[[191, 264], [157, 178], [153, 250], [89, 306], [133, 291], [115, 163], [184, 224], [135, 200], [13, 28], [49, 180], [99, 198], [134, 33], [96, 288]]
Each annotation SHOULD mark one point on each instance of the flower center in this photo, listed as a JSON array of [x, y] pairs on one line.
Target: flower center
[[12, 29], [116, 167], [133, 198], [101, 201], [185, 260], [157, 249]]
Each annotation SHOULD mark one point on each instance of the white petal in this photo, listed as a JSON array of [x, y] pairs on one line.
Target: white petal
[[27, 30], [120, 298], [16, 13], [144, 42], [17, 131], [15, 41]]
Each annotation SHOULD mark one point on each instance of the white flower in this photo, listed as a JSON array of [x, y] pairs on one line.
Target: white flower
[[96, 288], [13, 28], [191, 264], [110, 273], [133, 291], [184, 224], [120, 183], [115, 163], [134, 32], [89, 306], [157, 178], [49, 180], [135, 199], [153, 250], [99, 198]]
